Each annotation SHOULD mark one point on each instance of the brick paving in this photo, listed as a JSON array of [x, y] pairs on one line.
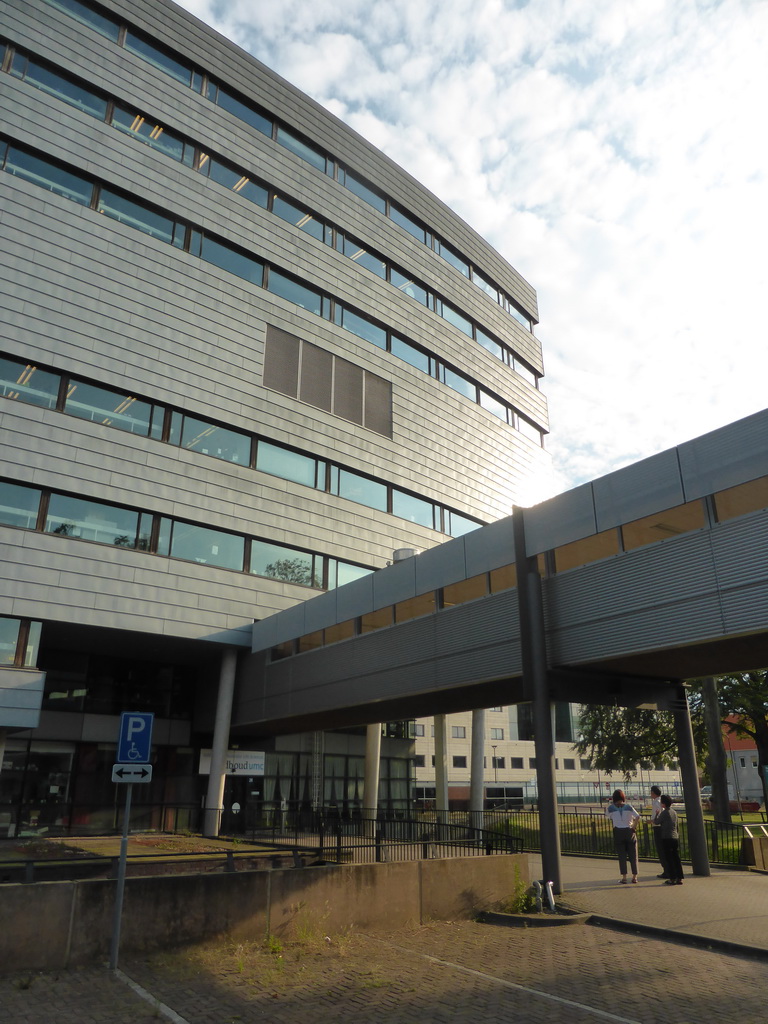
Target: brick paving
[[458, 972]]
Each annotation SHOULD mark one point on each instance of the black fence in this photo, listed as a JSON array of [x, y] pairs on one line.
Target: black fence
[[362, 840]]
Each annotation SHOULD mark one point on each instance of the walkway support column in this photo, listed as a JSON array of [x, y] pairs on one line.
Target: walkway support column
[[477, 770], [371, 776], [441, 769], [214, 800], [697, 837], [536, 685]]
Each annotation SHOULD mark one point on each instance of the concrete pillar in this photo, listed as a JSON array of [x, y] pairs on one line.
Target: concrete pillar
[[371, 777], [536, 684], [214, 800], [441, 769], [477, 771], [689, 773]]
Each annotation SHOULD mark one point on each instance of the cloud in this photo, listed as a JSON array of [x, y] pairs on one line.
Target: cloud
[[612, 151]]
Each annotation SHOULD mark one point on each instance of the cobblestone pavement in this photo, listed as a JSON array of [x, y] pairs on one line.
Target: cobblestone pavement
[[463, 972]]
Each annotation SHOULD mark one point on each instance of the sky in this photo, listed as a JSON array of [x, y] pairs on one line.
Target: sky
[[615, 152]]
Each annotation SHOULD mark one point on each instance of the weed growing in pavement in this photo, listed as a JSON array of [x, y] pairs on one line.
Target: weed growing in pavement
[[522, 900]]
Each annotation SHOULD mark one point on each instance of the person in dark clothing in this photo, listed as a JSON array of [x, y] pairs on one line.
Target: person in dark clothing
[[656, 829], [670, 839]]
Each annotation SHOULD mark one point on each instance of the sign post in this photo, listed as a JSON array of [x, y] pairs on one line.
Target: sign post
[[133, 751]]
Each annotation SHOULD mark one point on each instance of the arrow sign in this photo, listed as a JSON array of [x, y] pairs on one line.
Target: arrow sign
[[131, 772]]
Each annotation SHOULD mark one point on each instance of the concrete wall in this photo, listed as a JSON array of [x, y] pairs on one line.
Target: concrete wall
[[55, 925]]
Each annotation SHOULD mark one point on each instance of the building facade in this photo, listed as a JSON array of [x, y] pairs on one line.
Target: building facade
[[244, 358]]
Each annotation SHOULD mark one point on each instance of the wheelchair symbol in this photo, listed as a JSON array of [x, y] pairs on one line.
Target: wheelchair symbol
[[134, 754]]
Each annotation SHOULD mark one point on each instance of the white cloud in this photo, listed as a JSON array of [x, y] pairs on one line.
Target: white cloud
[[613, 152]]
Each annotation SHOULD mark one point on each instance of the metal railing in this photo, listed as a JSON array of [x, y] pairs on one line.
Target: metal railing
[[378, 840]]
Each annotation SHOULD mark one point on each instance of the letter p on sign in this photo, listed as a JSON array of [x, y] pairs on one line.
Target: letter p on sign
[[135, 742]]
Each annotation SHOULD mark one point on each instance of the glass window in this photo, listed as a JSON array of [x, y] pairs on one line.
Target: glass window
[[300, 148], [504, 578], [363, 491], [406, 222], [742, 499], [521, 318], [663, 525], [26, 383], [497, 734], [340, 631], [408, 286], [9, 640], [376, 620], [459, 383], [465, 590], [287, 288], [157, 57], [454, 259], [221, 443], [363, 328], [459, 761], [19, 505], [365, 193], [529, 430], [526, 372], [455, 318], [136, 215], [281, 563], [232, 260], [244, 112], [415, 607], [207, 547], [415, 510], [486, 285], [487, 342], [410, 354], [586, 765], [64, 88], [589, 549], [33, 644], [354, 251], [418, 729], [295, 215], [516, 762], [459, 732], [493, 405], [340, 573], [91, 520], [105, 26], [112, 408], [569, 764], [48, 175], [288, 465], [458, 525], [147, 131], [310, 641]]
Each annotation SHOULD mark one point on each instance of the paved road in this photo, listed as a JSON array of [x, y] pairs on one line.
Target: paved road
[[462, 972]]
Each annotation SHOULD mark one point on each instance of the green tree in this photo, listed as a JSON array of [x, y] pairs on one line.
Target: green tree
[[292, 570], [619, 739], [743, 699]]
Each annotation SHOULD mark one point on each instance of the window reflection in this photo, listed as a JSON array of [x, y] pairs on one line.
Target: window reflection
[[9, 640], [282, 563], [209, 439], [48, 175], [415, 510], [363, 491], [24, 382], [111, 408], [19, 505], [91, 520], [286, 464], [206, 547], [147, 131]]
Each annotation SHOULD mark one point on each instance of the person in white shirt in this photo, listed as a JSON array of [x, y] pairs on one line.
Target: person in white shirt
[[624, 819]]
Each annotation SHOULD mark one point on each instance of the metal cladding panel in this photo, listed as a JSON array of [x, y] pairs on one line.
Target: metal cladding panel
[[726, 457], [355, 598], [394, 583], [490, 547], [559, 520], [319, 611], [741, 551], [638, 490], [440, 565], [619, 606]]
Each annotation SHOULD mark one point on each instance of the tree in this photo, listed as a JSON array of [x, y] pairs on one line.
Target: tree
[[292, 570], [743, 699], [619, 739]]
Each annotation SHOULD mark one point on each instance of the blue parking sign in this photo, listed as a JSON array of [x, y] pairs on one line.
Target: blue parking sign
[[135, 742]]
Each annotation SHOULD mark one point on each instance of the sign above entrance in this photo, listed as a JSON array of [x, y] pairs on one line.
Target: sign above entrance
[[238, 762]]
